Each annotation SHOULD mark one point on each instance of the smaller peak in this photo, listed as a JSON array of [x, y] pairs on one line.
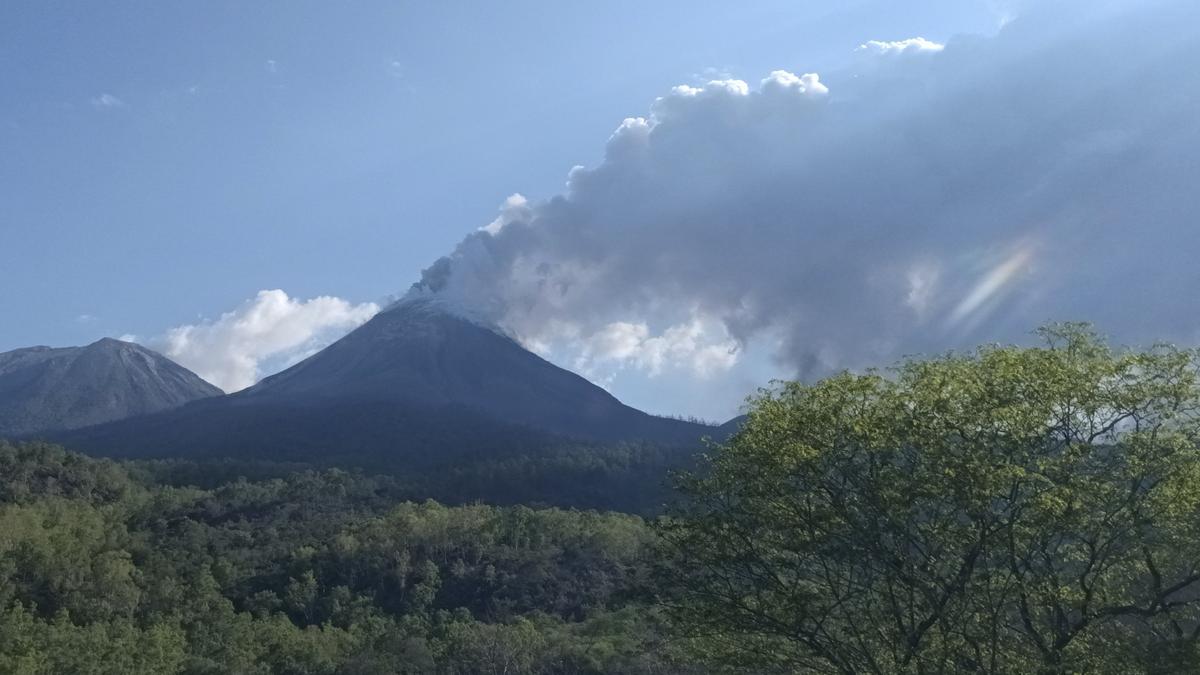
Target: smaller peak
[[113, 343]]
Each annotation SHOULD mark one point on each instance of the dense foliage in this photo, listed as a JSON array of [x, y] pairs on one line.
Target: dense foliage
[[1003, 511], [105, 569], [626, 477]]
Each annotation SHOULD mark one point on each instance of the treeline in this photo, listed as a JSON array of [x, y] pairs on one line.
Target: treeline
[[632, 477], [108, 567]]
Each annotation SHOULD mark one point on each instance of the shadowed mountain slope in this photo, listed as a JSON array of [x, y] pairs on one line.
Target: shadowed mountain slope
[[418, 353]]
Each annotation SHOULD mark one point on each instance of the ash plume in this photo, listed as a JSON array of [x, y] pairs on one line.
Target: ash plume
[[929, 196]]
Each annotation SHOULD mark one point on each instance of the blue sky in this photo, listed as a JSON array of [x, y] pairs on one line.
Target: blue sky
[[163, 163]]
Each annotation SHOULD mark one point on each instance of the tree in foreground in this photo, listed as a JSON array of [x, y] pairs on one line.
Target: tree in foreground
[[1009, 510]]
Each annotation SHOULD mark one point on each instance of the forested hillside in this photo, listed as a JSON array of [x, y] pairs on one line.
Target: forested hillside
[[105, 569]]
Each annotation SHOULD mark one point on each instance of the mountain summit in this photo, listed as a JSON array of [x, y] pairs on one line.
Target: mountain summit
[[47, 389], [418, 352]]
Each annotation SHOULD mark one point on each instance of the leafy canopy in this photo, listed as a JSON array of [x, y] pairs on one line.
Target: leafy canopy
[[1008, 510]]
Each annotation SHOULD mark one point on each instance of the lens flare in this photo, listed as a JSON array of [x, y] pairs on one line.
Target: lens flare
[[991, 287]]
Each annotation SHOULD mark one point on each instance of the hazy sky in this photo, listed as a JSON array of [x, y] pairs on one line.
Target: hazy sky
[[237, 183]]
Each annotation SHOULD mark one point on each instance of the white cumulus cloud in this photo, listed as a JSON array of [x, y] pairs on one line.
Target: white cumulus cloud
[[271, 329], [915, 45], [698, 346]]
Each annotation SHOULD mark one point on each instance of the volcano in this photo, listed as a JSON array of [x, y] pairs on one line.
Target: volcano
[[44, 389], [418, 353]]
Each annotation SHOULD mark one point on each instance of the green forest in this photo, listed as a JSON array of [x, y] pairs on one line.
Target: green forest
[[105, 569], [1008, 510]]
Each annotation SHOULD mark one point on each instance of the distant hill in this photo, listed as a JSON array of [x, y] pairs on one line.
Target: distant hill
[[44, 389], [416, 385]]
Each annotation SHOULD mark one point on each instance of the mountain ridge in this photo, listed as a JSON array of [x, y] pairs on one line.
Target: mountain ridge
[[400, 384]]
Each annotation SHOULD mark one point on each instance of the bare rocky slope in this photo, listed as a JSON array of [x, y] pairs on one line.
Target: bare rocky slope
[[44, 389]]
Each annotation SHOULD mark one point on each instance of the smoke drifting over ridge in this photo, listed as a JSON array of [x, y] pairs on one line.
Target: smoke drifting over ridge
[[928, 197]]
